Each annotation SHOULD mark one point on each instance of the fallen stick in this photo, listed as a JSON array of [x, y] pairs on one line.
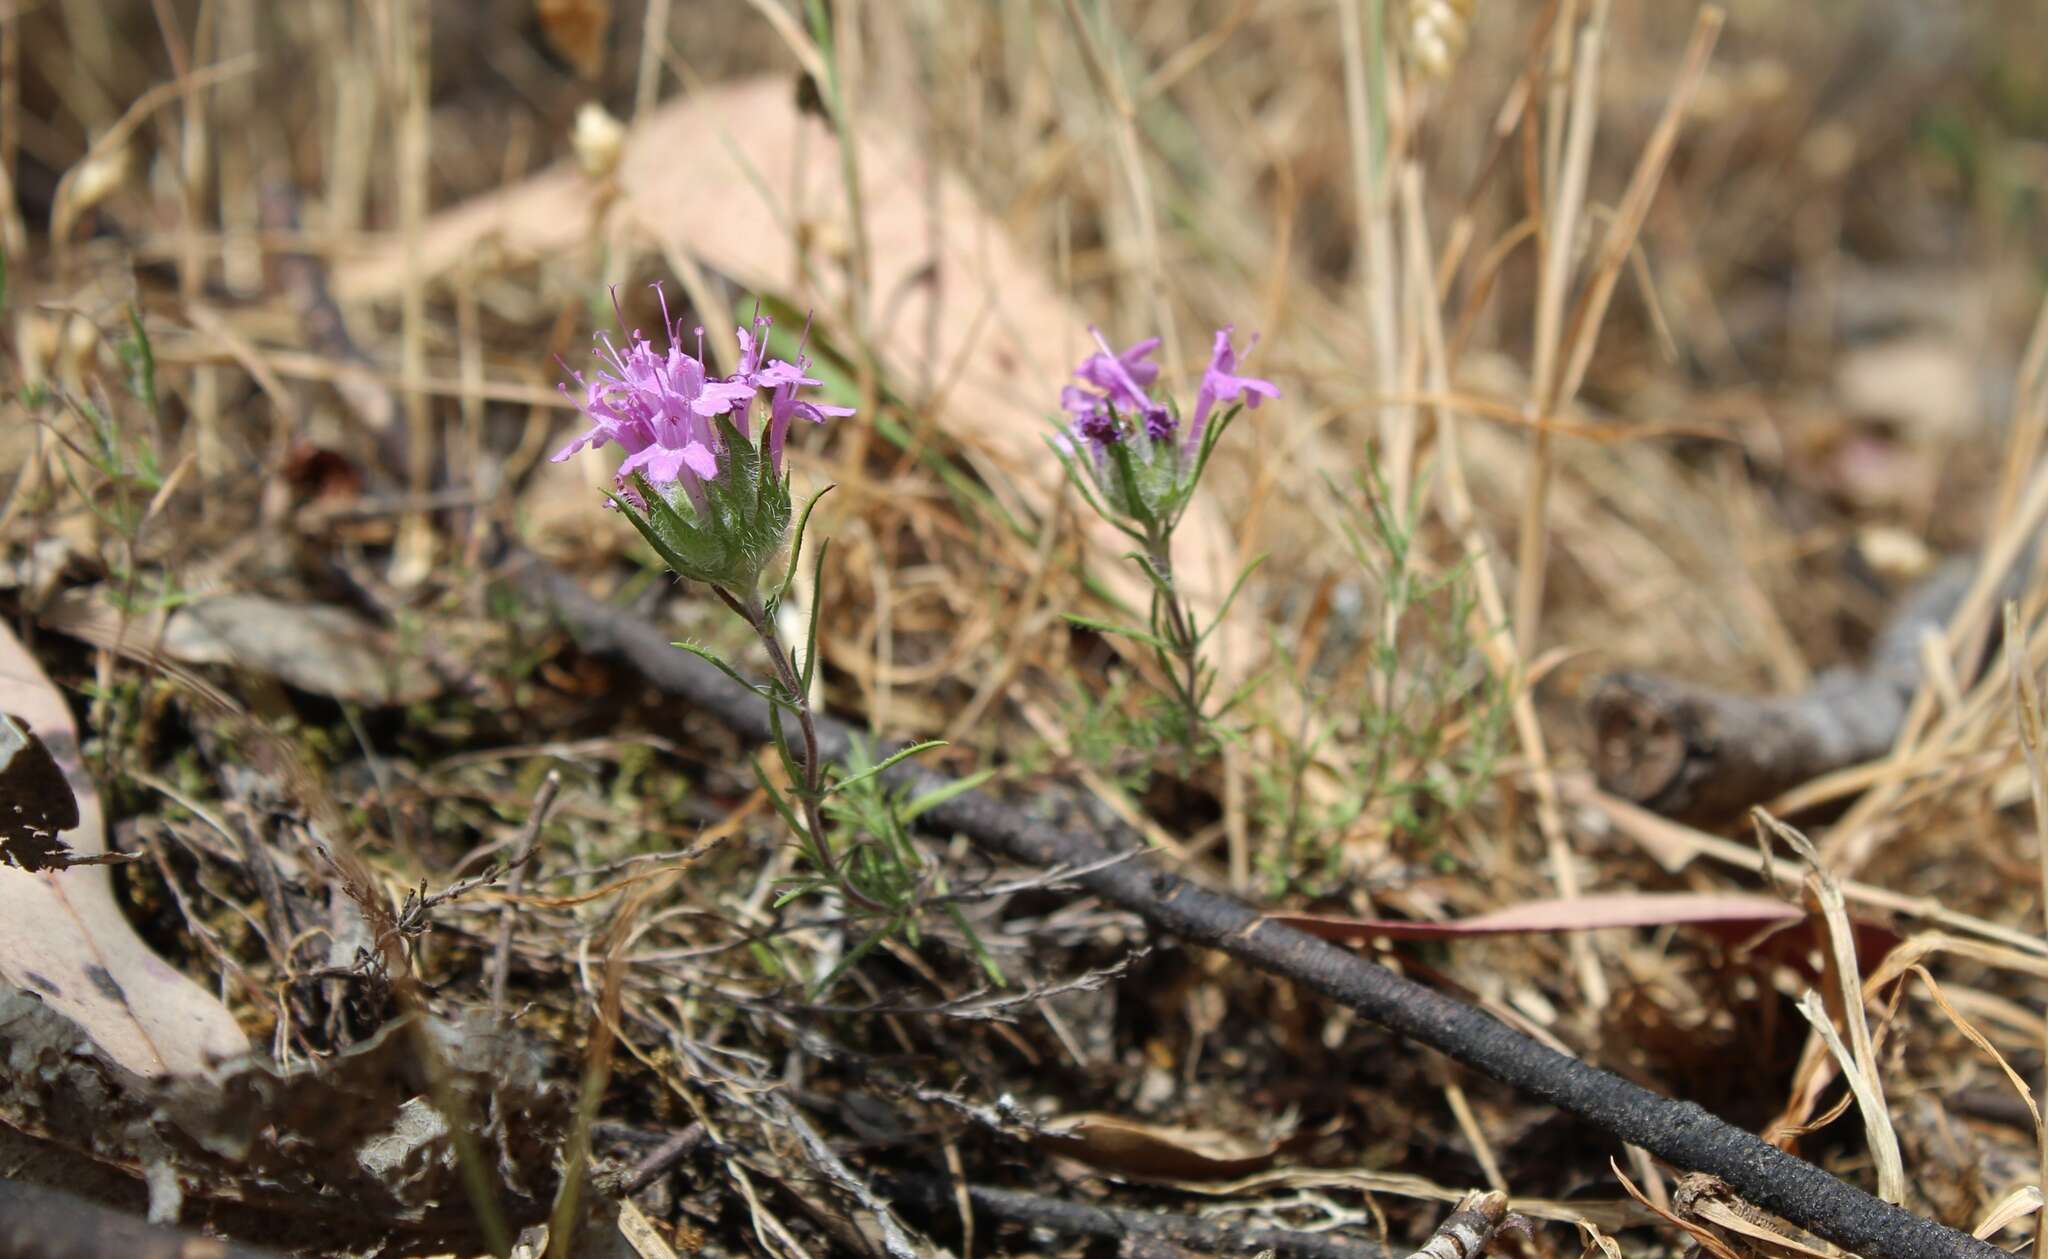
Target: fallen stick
[[1083, 1219], [39, 1223], [1470, 1228], [1705, 756], [1682, 1133]]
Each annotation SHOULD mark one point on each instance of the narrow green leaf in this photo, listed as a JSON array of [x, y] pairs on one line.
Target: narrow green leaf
[[141, 359], [796, 546], [1080, 480], [706, 655], [1210, 436], [872, 770], [1127, 476], [981, 953], [1223, 608], [817, 602], [780, 738], [775, 798], [1161, 582], [937, 796], [853, 955], [1123, 631]]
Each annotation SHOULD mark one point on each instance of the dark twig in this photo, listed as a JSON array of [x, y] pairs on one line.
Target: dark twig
[[38, 1223], [657, 1162], [1680, 1132], [1706, 756], [415, 917], [1468, 1230], [536, 817], [1079, 1219]]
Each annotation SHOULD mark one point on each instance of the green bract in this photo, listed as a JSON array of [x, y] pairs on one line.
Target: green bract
[[731, 539]]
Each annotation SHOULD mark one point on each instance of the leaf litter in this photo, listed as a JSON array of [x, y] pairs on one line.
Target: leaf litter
[[340, 881]]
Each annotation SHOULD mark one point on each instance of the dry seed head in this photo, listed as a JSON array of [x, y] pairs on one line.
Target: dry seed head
[[1434, 33], [599, 138]]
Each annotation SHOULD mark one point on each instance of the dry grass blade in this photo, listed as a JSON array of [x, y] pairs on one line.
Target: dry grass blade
[[1559, 237], [2023, 1201], [2029, 716], [1620, 242], [1884, 1142], [1860, 1061]]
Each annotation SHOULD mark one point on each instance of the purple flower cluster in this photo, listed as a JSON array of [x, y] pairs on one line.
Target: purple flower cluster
[[659, 406], [1118, 405]]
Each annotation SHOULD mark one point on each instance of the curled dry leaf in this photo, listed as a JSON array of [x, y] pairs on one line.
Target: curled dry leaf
[[1155, 1151], [64, 939], [1707, 1240], [35, 801], [960, 311]]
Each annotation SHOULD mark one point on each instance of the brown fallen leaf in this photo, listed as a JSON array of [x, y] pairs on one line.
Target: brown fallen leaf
[[63, 938], [956, 304], [577, 29], [1155, 1151]]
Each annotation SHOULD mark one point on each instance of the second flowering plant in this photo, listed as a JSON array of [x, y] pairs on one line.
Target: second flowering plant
[[1143, 461], [1137, 464]]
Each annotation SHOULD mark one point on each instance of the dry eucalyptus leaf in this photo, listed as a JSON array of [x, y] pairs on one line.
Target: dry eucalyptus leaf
[[355, 1139], [957, 308], [364, 1128], [1762, 925], [1155, 1151], [63, 938], [314, 647]]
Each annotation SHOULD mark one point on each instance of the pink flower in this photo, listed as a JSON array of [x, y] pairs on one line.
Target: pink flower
[[658, 405], [1124, 377], [1219, 384]]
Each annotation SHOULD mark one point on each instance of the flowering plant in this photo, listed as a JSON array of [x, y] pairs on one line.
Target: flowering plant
[[1142, 464], [708, 495], [703, 481], [1137, 465]]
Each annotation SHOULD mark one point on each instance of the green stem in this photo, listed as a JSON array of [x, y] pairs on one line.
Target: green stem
[[812, 790], [1180, 636]]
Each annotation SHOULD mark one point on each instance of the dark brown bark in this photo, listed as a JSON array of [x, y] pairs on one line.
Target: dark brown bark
[[1705, 756], [1680, 1132]]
